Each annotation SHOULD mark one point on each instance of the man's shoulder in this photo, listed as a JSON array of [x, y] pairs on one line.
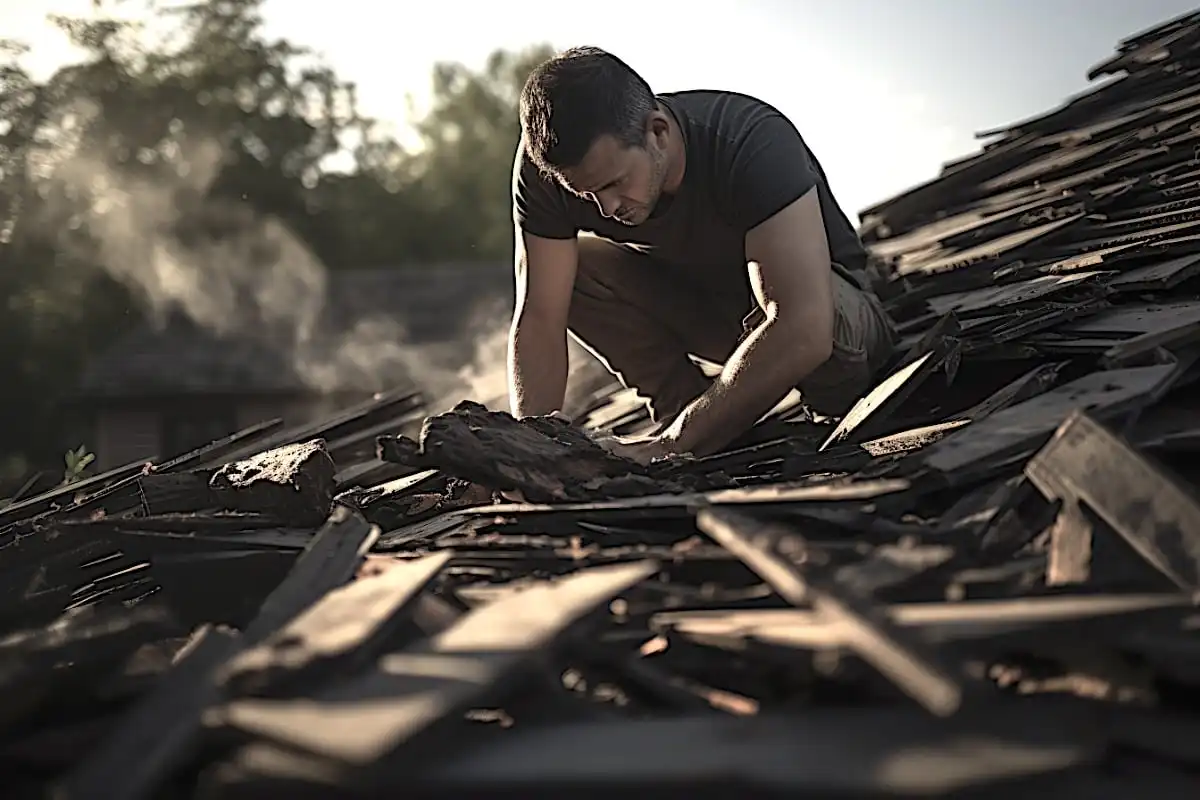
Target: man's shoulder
[[706, 98], [540, 205], [522, 164], [723, 113], [527, 177]]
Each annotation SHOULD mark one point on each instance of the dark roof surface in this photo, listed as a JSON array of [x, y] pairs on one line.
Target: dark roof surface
[[369, 318]]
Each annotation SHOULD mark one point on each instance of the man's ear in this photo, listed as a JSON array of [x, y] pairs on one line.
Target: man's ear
[[658, 127]]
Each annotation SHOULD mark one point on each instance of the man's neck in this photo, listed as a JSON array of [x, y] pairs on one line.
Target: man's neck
[[676, 153]]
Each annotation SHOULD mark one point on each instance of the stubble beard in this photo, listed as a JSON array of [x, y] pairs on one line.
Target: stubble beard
[[658, 176]]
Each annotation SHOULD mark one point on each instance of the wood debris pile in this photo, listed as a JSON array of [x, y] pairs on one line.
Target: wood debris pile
[[982, 582]]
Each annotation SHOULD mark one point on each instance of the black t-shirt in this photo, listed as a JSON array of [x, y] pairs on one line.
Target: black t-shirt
[[745, 162]]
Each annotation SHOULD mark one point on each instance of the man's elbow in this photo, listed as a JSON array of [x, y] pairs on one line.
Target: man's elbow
[[808, 339]]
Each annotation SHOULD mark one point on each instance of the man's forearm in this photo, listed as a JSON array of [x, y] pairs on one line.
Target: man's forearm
[[537, 368], [765, 367]]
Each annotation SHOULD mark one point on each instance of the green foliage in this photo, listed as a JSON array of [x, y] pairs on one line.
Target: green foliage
[[155, 112], [77, 461]]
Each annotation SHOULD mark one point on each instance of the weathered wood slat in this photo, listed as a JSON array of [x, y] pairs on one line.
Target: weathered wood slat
[[345, 625], [328, 562], [364, 719], [150, 741], [1084, 463], [953, 621]]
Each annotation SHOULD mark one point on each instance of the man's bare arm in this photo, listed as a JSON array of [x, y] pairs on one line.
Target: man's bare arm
[[791, 274], [537, 344]]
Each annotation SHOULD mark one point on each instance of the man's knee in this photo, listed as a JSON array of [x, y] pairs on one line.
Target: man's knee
[[623, 311], [604, 267], [864, 340]]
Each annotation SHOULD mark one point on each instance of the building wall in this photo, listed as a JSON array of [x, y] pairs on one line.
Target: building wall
[[168, 428], [125, 435]]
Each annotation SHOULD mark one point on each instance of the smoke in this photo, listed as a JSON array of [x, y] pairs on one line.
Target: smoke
[[238, 274]]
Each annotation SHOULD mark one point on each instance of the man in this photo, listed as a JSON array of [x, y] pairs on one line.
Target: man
[[654, 227]]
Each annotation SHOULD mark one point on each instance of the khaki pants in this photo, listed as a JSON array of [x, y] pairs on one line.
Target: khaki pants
[[642, 320]]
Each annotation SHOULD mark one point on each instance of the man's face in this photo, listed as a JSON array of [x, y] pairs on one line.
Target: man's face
[[624, 182]]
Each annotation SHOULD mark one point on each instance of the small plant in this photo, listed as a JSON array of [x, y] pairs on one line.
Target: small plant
[[77, 461]]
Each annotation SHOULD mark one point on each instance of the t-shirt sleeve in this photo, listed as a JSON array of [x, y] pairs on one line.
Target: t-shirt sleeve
[[770, 168], [539, 206]]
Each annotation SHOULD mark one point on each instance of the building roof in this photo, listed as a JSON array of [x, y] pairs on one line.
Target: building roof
[[369, 329]]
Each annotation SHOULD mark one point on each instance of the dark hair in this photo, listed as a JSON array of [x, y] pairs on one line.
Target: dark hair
[[574, 98]]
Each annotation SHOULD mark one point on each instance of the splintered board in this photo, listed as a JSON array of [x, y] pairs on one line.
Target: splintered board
[[1026, 425]]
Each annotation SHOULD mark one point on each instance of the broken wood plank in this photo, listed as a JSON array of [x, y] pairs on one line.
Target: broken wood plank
[[947, 621], [65, 494], [133, 760], [867, 416], [1157, 276], [1084, 463], [162, 729], [346, 625], [906, 659], [331, 559], [1026, 426], [774, 493], [362, 720]]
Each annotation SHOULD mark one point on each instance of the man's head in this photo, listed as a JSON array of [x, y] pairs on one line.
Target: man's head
[[593, 124]]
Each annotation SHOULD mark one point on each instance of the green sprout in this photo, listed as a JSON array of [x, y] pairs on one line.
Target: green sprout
[[77, 461]]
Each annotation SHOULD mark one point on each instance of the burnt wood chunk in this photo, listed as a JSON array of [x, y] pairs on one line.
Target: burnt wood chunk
[[545, 458], [294, 482]]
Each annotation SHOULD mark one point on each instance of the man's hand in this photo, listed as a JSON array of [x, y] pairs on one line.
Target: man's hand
[[640, 449]]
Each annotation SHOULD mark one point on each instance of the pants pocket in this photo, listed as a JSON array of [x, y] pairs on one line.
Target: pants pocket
[[835, 386]]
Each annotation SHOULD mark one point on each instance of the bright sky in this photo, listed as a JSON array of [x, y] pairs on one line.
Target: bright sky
[[884, 91]]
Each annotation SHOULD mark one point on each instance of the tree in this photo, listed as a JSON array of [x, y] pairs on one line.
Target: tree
[[470, 136], [190, 143], [448, 201]]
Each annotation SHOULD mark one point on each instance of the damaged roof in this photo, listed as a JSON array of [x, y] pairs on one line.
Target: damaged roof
[[422, 305], [982, 582]]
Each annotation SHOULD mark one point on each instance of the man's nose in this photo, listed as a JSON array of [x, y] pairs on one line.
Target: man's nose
[[609, 204]]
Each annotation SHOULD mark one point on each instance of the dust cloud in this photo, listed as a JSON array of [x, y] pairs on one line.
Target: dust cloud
[[238, 274]]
